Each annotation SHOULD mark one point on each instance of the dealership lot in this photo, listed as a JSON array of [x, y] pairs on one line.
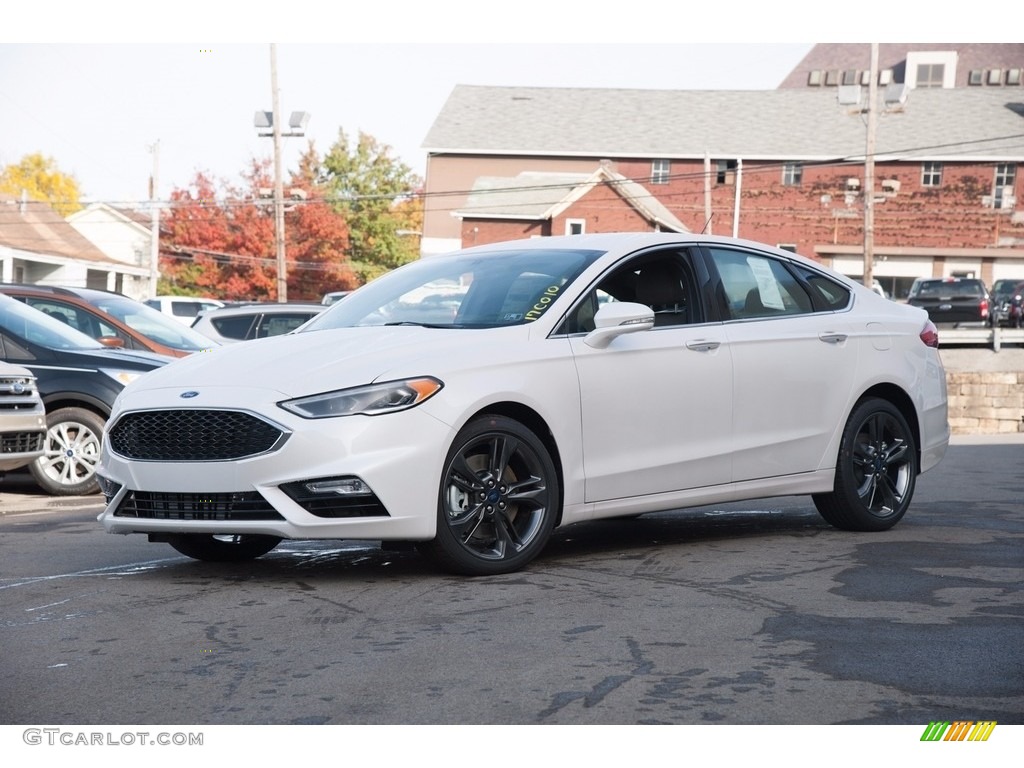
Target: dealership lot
[[738, 613]]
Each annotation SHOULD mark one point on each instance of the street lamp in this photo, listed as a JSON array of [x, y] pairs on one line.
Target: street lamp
[[268, 124]]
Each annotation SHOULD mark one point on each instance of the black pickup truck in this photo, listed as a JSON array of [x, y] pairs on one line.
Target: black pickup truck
[[952, 302]]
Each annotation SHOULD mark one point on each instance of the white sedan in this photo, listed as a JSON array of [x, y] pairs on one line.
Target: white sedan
[[566, 379]]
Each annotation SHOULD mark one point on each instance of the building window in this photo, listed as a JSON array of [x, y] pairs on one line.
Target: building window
[[1006, 176], [575, 226], [976, 77], [931, 174], [995, 77], [832, 77], [660, 171], [791, 247], [726, 172], [792, 173], [1013, 76], [814, 77], [930, 75], [850, 77]]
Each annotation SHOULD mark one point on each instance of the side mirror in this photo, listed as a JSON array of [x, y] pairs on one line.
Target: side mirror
[[616, 318]]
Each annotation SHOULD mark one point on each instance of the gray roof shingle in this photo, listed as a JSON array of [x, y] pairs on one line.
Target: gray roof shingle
[[791, 124]]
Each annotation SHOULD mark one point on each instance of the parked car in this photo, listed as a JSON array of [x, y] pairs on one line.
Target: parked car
[[22, 418], [78, 379], [112, 319], [952, 302], [253, 321], [1008, 303], [184, 309], [581, 377], [334, 296]]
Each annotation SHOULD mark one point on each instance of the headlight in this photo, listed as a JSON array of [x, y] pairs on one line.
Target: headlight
[[124, 378], [371, 400]]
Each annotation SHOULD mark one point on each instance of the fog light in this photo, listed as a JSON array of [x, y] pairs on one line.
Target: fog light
[[108, 487], [343, 486]]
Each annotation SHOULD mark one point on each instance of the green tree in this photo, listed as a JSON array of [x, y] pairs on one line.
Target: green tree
[[378, 196], [41, 180]]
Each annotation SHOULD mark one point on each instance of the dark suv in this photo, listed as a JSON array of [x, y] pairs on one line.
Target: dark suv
[[1008, 303], [952, 302], [78, 379]]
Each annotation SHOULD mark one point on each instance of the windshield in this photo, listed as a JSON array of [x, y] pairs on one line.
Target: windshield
[[36, 327], [481, 289], [154, 324]]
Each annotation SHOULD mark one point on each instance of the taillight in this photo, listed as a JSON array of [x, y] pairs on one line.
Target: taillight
[[930, 334], [984, 308]]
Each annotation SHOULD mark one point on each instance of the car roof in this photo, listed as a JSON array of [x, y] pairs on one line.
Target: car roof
[[253, 308]]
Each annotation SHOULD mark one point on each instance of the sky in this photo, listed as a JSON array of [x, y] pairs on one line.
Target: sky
[[114, 97], [97, 109]]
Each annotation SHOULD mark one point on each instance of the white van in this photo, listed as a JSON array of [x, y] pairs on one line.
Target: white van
[[183, 308]]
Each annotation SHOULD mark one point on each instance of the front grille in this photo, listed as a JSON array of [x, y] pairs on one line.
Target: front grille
[[192, 435], [248, 505], [21, 442]]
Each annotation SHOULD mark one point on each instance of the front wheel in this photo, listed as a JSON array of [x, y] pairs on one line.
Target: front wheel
[[223, 549], [875, 472], [68, 468], [498, 501]]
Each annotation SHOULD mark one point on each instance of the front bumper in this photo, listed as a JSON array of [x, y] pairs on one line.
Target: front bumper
[[398, 456]]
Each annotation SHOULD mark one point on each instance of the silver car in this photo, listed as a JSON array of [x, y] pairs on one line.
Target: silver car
[[22, 418], [243, 322]]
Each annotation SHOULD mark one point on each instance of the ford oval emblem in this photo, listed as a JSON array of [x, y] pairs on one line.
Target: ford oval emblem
[[191, 393], [18, 388]]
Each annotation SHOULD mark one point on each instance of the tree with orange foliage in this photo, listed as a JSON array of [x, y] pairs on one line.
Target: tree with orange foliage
[[220, 242]]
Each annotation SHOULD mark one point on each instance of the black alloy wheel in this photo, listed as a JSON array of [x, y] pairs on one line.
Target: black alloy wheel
[[498, 501], [875, 472]]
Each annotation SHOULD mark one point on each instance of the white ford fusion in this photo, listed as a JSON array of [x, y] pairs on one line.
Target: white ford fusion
[[473, 402]]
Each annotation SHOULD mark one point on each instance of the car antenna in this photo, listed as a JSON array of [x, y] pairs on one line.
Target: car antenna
[[706, 223]]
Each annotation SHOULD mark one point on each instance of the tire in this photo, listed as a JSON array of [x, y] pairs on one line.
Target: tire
[[68, 468], [875, 472], [223, 549], [498, 501]]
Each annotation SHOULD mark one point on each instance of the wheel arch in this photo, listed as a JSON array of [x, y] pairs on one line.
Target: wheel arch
[[58, 400], [533, 421], [903, 403]]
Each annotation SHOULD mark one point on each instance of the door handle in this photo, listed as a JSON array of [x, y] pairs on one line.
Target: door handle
[[703, 345], [832, 338]]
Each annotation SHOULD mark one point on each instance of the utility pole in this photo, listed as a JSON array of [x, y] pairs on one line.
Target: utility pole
[[282, 267], [869, 172], [154, 222]]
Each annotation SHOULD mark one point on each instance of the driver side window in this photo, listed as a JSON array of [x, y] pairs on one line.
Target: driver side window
[[663, 281]]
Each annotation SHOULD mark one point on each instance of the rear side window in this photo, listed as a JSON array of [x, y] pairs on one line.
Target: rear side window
[[756, 286], [236, 327], [827, 294], [276, 325]]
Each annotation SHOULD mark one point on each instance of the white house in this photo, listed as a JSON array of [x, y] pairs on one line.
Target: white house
[[38, 246]]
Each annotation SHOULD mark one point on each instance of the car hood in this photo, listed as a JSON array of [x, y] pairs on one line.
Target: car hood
[[319, 361]]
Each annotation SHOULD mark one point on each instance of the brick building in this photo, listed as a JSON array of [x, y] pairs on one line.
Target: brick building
[[785, 167]]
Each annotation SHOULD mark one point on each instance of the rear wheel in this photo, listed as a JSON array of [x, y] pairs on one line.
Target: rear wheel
[[223, 549], [68, 468], [498, 500], [875, 472]]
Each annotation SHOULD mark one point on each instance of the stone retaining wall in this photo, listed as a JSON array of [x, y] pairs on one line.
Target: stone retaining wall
[[985, 402]]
